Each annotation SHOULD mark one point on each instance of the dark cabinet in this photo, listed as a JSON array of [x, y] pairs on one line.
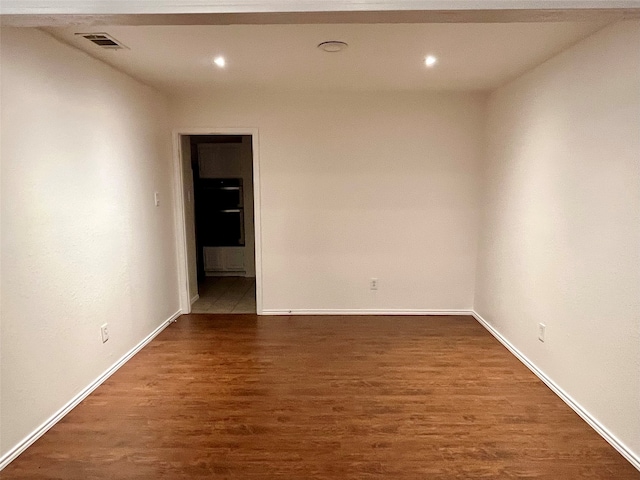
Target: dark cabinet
[[220, 212]]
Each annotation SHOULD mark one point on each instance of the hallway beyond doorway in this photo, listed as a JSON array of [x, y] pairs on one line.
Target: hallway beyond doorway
[[226, 295]]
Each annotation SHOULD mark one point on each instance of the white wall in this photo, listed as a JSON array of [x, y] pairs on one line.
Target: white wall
[[359, 185], [249, 222], [83, 150], [190, 216], [560, 242]]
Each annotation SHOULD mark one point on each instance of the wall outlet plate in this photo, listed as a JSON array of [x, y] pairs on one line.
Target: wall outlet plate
[[104, 331], [373, 284], [541, 331]]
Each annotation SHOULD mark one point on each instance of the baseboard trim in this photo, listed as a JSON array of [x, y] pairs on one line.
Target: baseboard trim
[[575, 406], [566, 398], [12, 454], [195, 299], [359, 311]]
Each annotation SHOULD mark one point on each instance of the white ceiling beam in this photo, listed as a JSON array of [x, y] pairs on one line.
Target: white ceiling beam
[[115, 7]]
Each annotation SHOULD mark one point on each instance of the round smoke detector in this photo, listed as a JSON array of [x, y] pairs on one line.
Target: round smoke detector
[[332, 46]]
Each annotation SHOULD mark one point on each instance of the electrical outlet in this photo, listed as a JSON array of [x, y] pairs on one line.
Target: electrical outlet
[[373, 284], [541, 330], [104, 331]]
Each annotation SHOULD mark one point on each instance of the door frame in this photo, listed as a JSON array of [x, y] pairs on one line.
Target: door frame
[[179, 208]]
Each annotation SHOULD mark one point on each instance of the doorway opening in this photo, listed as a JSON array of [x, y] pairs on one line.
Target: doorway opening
[[220, 233]]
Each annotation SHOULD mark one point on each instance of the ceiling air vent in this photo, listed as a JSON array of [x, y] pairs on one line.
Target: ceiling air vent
[[103, 40]]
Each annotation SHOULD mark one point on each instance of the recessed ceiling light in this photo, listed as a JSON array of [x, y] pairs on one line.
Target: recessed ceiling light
[[219, 61], [332, 46], [430, 60]]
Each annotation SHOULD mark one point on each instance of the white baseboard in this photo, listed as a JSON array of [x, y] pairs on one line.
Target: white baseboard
[[359, 311], [12, 454], [195, 299], [584, 414], [575, 406]]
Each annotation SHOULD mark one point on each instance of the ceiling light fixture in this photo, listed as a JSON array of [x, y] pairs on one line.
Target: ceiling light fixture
[[430, 60], [332, 46], [219, 61]]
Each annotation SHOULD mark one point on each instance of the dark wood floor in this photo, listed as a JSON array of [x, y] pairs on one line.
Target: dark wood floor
[[243, 397]]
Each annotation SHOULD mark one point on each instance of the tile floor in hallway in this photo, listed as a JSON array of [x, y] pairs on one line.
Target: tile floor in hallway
[[226, 295]]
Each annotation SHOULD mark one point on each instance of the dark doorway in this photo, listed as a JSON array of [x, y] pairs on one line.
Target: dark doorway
[[222, 168]]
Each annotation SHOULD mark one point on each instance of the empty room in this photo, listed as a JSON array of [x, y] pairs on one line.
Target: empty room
[[333, 240]]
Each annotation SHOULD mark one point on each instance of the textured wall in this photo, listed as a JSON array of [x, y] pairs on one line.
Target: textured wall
[[561, 231], [359, 185], [84, 148]]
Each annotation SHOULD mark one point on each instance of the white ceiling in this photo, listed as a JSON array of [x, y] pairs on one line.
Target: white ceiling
[[478, 56]]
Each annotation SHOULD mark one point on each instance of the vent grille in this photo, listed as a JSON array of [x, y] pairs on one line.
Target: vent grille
[[103, 40]]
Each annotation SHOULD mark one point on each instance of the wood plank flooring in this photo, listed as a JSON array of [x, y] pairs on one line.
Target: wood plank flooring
[[226, 295], [247, 397]]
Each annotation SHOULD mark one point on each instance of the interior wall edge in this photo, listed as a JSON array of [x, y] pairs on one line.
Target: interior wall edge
[[626, 452]]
